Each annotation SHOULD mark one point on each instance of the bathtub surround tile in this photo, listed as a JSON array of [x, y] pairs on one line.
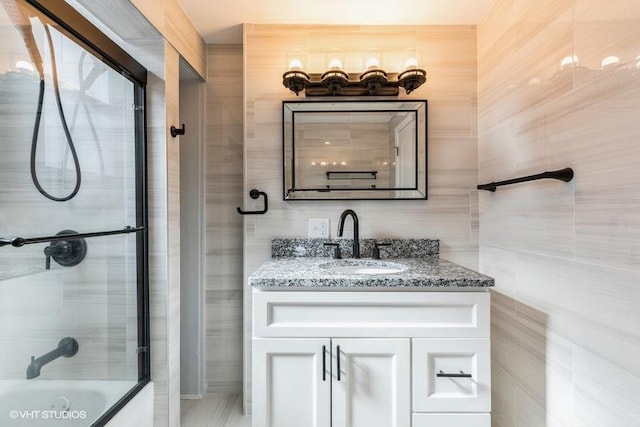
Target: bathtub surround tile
[[565, 330]]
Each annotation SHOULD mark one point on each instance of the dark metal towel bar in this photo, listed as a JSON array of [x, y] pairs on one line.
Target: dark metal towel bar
[[17, 242], [565, 175]]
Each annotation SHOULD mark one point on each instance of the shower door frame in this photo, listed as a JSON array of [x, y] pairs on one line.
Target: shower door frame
[[78, 28]]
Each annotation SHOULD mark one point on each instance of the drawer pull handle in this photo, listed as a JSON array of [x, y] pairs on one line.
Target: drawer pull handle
[[324, 363], [338, 360], [460, 375]]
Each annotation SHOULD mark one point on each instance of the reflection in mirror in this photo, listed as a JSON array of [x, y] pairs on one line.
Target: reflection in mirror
[[335, 150]]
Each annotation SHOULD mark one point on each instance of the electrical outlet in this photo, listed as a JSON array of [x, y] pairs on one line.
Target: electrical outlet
[[319, 228]]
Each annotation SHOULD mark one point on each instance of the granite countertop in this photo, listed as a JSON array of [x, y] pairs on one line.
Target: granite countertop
[[309, 272]]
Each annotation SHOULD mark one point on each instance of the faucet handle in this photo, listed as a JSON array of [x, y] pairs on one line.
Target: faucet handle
[[376, 249], [336, 249]]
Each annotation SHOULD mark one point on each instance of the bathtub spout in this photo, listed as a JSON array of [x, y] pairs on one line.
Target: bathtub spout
[[67, 347]]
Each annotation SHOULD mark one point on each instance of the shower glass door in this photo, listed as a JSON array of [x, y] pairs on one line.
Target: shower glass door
[[73, 293]]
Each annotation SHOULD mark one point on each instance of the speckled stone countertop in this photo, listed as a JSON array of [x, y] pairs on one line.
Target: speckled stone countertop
[[306, 272], [397, 248]]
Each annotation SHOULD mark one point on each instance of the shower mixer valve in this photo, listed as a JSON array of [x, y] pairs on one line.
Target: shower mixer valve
[[66, 252]]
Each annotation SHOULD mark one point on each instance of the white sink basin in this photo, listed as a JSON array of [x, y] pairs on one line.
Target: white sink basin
[[363, 266]]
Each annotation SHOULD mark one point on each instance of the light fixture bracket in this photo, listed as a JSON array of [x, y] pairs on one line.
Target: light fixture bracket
[[412, 79], [373, 80], [334, 80], [296, 80]]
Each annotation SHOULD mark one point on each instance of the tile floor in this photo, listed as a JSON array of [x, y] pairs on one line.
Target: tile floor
[[214, 410]]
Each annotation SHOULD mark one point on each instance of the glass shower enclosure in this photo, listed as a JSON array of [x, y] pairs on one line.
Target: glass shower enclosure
[[73, 217]]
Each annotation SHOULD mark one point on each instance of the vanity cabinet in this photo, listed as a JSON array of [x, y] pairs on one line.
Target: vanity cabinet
[[331, 382], [370, 358]]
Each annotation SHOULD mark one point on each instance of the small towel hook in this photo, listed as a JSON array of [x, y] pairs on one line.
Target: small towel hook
[[254, 194], [175, 131]]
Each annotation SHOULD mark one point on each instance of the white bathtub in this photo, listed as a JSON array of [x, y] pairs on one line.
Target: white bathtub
[[44, 403]]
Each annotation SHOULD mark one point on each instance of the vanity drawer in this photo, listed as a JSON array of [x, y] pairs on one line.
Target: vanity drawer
[[370, 314], [451, 375], [451, 420]]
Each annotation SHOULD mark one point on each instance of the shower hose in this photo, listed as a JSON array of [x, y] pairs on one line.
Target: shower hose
[[65, 127]]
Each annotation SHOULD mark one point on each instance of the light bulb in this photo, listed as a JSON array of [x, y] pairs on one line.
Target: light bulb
[[411, 64], [295, 65], [335, 64], [372, 63]]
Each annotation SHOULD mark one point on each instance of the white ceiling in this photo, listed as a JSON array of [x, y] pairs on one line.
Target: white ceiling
[[220, 21]]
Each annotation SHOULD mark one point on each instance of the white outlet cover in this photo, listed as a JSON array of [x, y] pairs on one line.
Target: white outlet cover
[[318, 228]]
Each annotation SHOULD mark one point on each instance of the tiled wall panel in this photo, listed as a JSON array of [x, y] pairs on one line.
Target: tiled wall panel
[[565, 327], [223, 187]]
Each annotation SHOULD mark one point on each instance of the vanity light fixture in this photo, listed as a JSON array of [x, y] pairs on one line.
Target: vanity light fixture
[[295, 79], [412, 77], [374, 80]]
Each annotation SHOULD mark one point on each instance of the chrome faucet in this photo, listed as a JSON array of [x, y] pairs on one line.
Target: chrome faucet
[[356, 237]]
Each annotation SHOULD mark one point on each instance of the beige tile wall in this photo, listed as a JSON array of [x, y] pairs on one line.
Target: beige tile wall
[[450, 214], [566, 257], [223, 192]]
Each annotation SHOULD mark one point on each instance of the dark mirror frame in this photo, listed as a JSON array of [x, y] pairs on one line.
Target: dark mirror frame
[[291, 108]]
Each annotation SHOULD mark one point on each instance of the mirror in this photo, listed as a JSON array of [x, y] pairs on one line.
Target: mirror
[[362, 150]]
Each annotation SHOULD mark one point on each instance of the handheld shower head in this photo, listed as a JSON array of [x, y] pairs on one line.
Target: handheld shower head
[[20, 15], [20, 18]]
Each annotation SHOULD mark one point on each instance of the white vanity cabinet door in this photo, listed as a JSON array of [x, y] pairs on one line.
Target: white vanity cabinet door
[[440, 367], [288, 385], [374, 384]]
